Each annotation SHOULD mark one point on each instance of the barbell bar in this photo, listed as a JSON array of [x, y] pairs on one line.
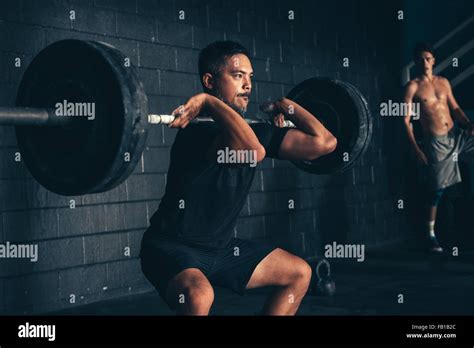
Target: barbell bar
[[22, 116], [167, 119], [81, 155]]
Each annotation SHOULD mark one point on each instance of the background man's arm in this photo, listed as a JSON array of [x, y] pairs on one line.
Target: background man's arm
[[457, 113], [408, 99]]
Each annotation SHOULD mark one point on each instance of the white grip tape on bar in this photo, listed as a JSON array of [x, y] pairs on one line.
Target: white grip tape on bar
[[160, 119]]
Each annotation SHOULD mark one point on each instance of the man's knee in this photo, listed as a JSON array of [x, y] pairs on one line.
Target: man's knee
[[191, 292], [302, 273], [435, 197], [200, 298]]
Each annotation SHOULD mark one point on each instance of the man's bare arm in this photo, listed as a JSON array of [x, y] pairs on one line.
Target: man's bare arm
[[457, 113], [310, 140], [237, 134], [408, 100]]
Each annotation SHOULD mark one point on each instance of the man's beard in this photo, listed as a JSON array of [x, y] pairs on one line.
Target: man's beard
[[239, 110]]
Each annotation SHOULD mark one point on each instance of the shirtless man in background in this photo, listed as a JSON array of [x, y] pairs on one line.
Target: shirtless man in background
[[443, 142]]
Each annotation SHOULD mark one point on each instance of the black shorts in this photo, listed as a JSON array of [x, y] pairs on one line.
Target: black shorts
[[230, 267]]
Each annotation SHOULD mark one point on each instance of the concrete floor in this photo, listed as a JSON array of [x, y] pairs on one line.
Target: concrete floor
[[431, 285]]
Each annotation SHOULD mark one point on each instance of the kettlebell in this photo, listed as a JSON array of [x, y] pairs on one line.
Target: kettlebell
[[325, 285]]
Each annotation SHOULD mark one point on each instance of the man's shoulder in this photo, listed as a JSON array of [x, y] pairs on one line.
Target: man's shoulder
[[413, 83], [196, 134], [199, 128], [412, 86], [442, 80], [263, 128]]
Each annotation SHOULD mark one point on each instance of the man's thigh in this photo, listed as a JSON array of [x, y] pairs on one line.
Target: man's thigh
[[235, 264], [163, 260], [279, 268]]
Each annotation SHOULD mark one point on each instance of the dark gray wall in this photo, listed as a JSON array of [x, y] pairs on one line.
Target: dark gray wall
[[82, 249]]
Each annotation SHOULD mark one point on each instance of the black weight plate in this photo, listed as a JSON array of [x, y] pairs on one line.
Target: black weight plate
[[88, 156], [343, 110], [365, 127]]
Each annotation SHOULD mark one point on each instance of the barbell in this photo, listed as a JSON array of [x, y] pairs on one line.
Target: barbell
[[72, 155]]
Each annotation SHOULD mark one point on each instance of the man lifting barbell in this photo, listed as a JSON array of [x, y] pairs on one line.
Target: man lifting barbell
[[79, 155], [190, 246]]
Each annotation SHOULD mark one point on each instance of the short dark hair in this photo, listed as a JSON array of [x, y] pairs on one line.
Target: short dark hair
[[421, 47], [213, 57]]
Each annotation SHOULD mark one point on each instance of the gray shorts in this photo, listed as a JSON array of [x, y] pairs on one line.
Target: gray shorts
[[444, 153]]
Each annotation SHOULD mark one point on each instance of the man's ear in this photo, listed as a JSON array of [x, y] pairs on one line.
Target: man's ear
[[208, 81]]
